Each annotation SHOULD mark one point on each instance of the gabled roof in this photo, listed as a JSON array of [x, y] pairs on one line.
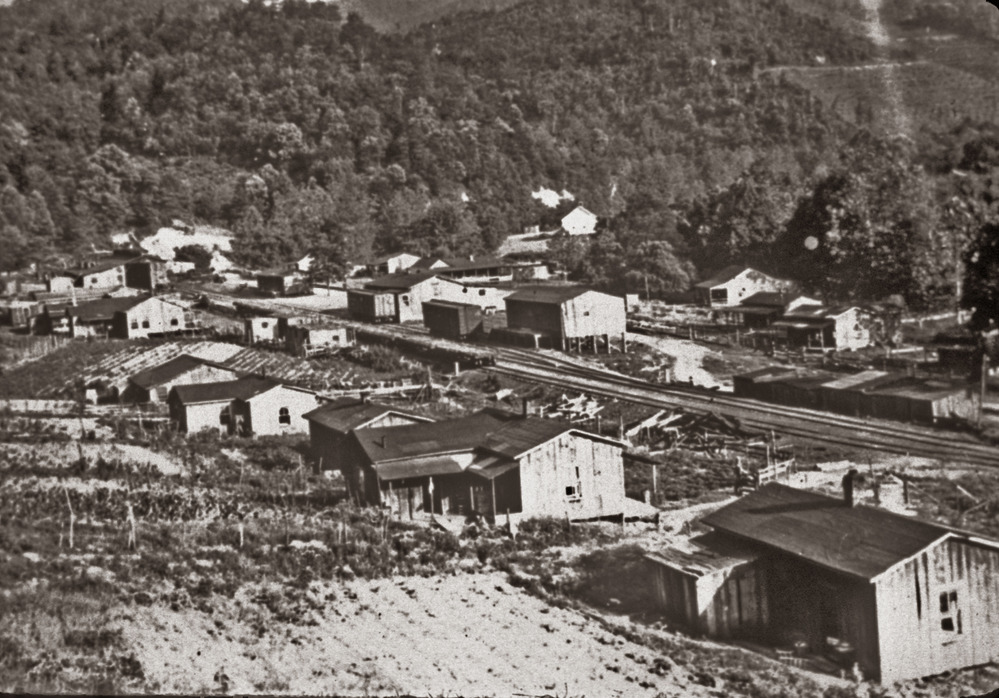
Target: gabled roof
[[347, 413], [724, 276], [400, 282], [167, 371], [859, 541], [394, 255], [461, 435], [95, 269], [556, 295], [224, 391], [580, 209], [465, 263], [516, 438], [428, 262]]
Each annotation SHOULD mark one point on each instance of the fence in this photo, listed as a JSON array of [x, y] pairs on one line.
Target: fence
[[17, 349]]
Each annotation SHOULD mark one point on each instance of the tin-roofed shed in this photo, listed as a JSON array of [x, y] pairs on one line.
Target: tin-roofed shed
[[570, 316]]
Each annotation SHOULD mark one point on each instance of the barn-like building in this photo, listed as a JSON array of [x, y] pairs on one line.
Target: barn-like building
[[570, 318], [900, 597]]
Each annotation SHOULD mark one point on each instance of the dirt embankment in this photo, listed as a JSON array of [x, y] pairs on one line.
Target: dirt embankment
[[458, 635]]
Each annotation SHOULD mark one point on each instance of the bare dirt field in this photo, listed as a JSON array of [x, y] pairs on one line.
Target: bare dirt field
[[458, 635]]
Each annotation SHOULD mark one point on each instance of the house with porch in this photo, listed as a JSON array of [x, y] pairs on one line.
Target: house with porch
[[734, 284], [762, 309], [813, 326], [490, 463], [823, 577]]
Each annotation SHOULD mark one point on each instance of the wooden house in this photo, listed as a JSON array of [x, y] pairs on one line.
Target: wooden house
[[312, 339], [900, 597], [154, 384], [762, 309], [734, 284], [453, 320], [119, 318], [488, 463], [331, 427], [18, 313], [392, 263], [579, 221], [843, 328], [248, 405], [570, 317]]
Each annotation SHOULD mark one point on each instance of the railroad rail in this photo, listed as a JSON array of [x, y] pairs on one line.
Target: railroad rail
[[876, 435]]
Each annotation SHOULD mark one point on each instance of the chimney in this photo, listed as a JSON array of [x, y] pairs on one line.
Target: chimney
[[383, 441], [525, 407], [366, 397], [848, 487]]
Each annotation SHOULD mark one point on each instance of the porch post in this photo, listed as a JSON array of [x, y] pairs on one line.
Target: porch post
[[493, 486]]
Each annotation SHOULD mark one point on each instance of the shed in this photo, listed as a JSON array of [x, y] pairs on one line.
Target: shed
[[572, 316], [902, 597], [310, 340], [279, 282], [926, 401], [392, 263], [453, 320], [260, 329], [801, 390], [710, 586]]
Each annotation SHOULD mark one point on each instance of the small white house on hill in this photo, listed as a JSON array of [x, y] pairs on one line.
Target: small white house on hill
[[250, 405], [736, 283], [579, 221]]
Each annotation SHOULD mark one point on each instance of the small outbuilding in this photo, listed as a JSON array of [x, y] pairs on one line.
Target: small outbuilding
[[392, 263], [580, 221], [119, 318], [312, 339]]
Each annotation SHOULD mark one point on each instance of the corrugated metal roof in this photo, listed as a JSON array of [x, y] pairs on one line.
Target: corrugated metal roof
[[347, 413], [548, 294], [417, 467], [222, 391], [859, 541], [167, 371]]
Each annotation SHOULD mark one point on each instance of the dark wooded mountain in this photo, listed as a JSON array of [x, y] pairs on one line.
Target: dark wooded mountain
[[690, 128]]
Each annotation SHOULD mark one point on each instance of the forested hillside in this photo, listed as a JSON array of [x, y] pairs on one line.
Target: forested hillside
[[301, 129]]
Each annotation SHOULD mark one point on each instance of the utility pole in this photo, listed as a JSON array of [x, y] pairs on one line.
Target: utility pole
[[984, 383]]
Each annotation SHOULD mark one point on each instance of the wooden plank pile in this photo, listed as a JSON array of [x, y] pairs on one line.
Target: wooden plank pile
[[581, 408]]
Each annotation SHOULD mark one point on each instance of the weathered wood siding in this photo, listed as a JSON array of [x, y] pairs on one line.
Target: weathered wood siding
[[911, 619], [541, 317], [108, 278], [593, 314], [153, 316], [813, 603], [452, 321], [195, 418], [594, 467], [199, 374], [260, 329], [723, 604]]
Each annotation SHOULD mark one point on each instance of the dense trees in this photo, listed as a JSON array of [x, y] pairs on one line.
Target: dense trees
[[305, 131]]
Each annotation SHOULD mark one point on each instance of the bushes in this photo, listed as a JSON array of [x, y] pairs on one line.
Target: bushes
[[617, 573]]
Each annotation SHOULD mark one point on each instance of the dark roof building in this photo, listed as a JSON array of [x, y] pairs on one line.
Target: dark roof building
[[154, 383], [567, 317], [901, 597]]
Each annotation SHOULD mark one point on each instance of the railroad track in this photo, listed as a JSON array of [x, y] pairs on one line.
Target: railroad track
[[819, 426]]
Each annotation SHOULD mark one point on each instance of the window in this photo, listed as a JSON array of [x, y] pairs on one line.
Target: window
[[405, 300], [950, 614], [572, 492], [174, 322], [265, 325], [284, 416], [145, 324], [224, 415], [482, 291], [135, 324]]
